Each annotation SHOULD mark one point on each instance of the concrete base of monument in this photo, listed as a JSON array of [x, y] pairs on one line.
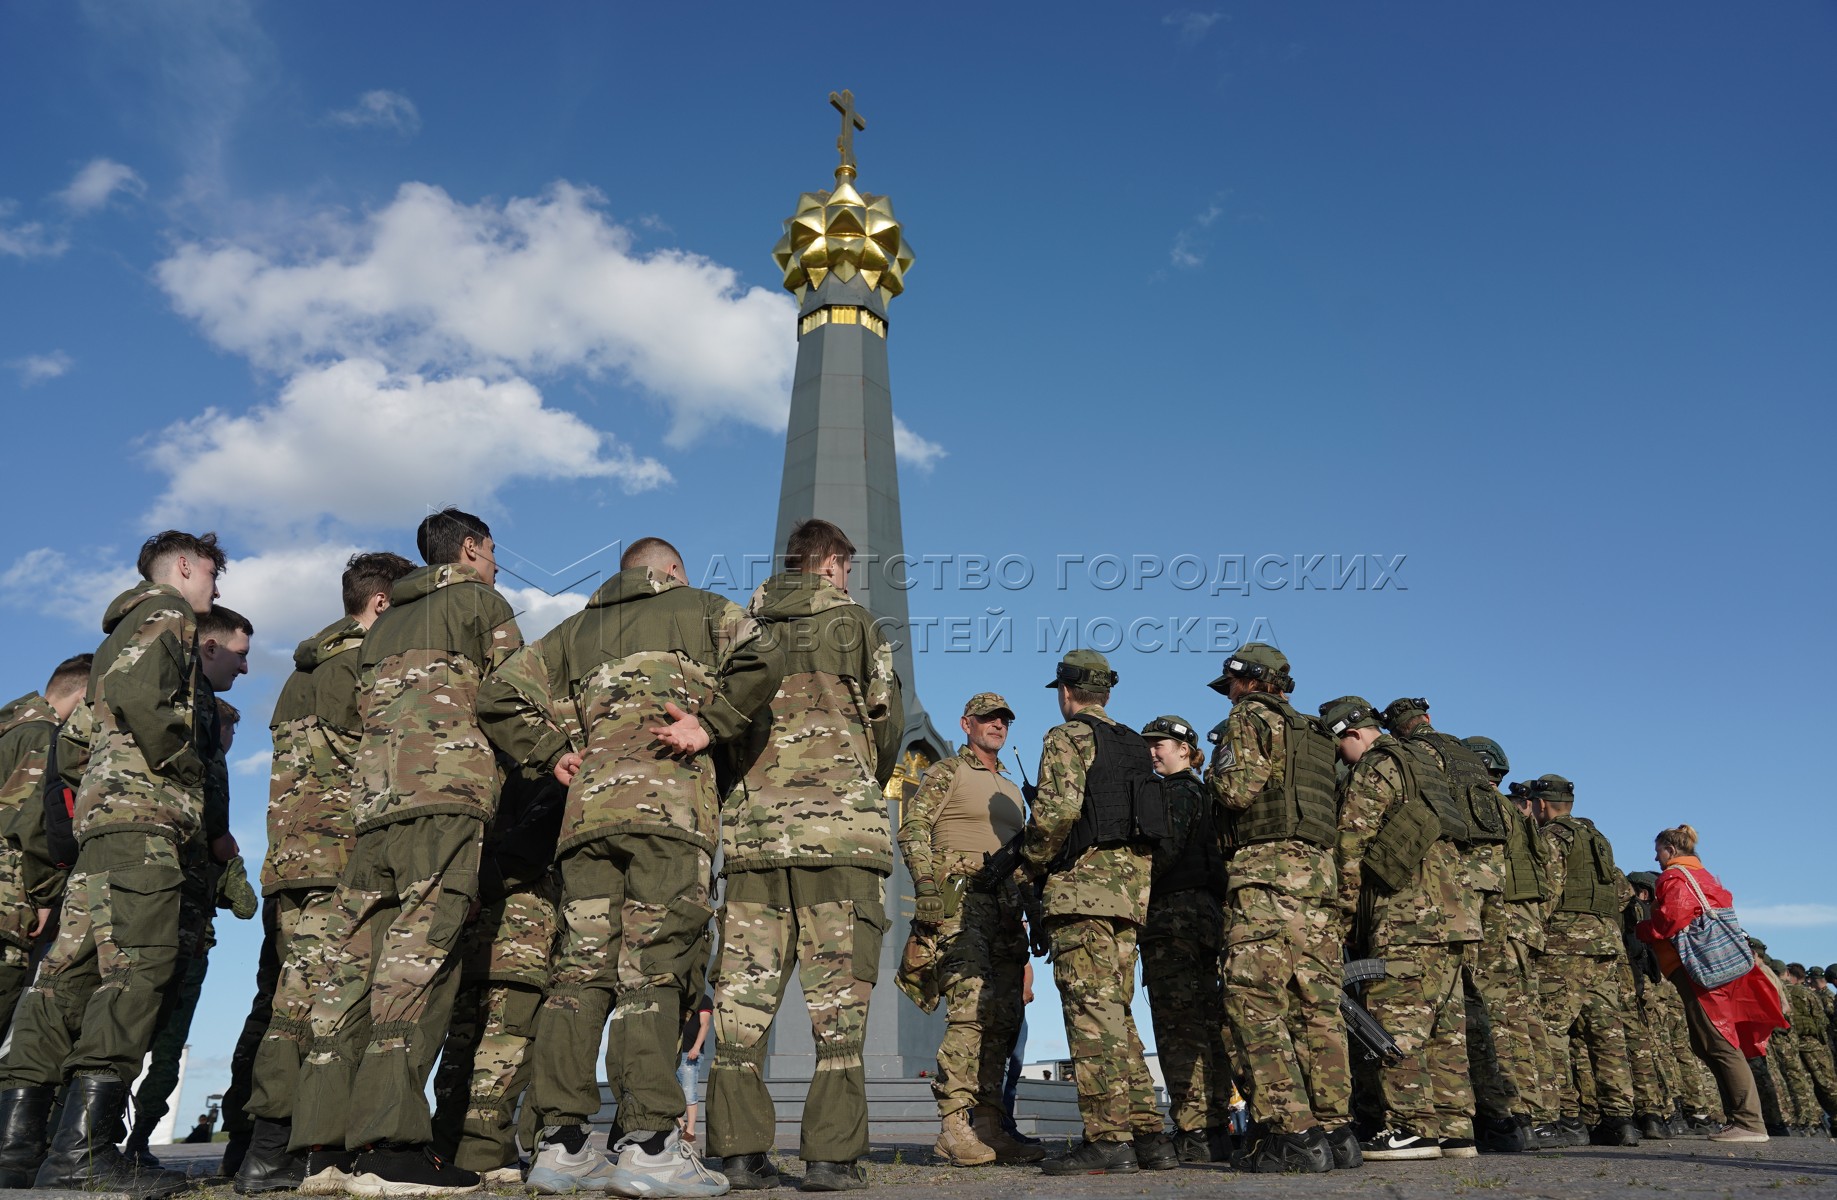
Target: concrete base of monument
[[903, 1111]]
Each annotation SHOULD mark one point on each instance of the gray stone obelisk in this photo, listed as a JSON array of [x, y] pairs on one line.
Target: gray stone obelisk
[[844, 256]]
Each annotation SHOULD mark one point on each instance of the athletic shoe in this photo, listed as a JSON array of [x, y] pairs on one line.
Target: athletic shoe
[[565, 1163], [674, 1170], [1399, 1145], [407, 1169], [327, 1172], [1458, 1148], [1736, 1133], [1095, 1158], [1343, 1144], [1275, 1153]]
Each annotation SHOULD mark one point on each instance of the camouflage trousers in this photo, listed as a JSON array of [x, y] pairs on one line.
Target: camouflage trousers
[[484, 1065], [305, 943], [15, 971], [1281, 995], [1180, 970], [828, 922], [982, 953], [1650, 1095], [396, 919], [1580, 995], [1420, 1002], [1815, 1053], [1093, 965], [1684, 1075], [95, 1002], [1797, 1097], [634, 939]]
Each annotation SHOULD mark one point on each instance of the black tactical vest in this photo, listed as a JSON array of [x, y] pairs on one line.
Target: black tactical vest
[[1197, 862], [1304, 802], [1471, 783], [1589, 886], [1123, 801]]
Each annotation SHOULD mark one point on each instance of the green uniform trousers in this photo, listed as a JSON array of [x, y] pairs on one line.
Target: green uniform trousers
[[93, 1007], [982, 953], [828, 923], [15, 973]]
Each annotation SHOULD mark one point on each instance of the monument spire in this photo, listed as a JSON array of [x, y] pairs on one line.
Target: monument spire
[[844, 256]]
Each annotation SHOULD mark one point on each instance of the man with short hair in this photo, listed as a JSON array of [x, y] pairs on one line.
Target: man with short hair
[[89, 1016], [634, 859], [1273, 773], [427, 785], [809, 710], [1095, 818], [315, 730], [965, 808]]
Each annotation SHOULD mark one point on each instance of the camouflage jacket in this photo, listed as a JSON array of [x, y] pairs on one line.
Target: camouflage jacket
[[1807, 1014], [28, 728], [316, 731], [810, 711], [980, 810], [1572, 932], [1433, 908], [145, 771], [421, 751], [1104, 881], [597, 684], [1248, 759]]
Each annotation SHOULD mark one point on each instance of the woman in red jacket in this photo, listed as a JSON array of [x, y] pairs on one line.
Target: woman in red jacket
[[1729, 1024]]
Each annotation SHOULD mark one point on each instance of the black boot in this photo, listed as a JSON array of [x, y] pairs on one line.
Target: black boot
[[267, 1165], [25, 1114], [750, 1172], [234, 1150], [1155, 1152], [1614, 1131], [1504, 1135], [83, 1154], [1651, 1126], [1095, 1158]]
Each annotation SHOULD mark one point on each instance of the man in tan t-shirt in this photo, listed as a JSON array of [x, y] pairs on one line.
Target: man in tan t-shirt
[[964, 808]]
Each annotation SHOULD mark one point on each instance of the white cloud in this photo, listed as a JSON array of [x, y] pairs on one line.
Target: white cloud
[[256, 762], [1192, 244], [37, 368], [914, 450], [1788, 916], [29, 239], [361, 445], [48, 581], [380, 109], [98, 180], [537, 611], [1192, 26]]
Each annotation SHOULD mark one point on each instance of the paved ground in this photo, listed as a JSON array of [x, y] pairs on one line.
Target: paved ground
[[1781, 1169]]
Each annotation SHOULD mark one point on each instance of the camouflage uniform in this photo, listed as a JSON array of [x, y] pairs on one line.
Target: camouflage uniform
[[1813, 1024], [1687, 1076], [1181, 944], [1650, 1096], [810, 714], [28, 880], [315, 730], [1421, 931], [636, 838], [504, 961], [427, 784], [1283, 930], [93, 1006], [1507, 975], [1580, 989], [1797, 1097], [961, 811]]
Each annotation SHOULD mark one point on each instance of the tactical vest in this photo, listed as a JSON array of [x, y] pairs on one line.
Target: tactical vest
[[1471, 783], [1589, 887], [1123, 800], [1304, 802], [1432, 785], [1527, 877], [1413, 824], [1199, 863]]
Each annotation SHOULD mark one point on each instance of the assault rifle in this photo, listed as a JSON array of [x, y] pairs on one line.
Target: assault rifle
[[1004, 864], [1378, 1045]]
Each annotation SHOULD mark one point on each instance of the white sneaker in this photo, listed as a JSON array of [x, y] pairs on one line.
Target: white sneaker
[[1399, 1145], [677, 1171], [558, 1171]]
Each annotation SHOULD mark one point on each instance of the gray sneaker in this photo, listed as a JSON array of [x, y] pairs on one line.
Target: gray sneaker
[[565, 1164], [675, 1171]]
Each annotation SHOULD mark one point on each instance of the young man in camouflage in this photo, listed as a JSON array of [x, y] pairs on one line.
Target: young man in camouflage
[[635, 859], [965, 808], [30, 881], [1492, 975], [427, 785], [1181, 943], [1089, 837], [315, 730], [810, 710], [1579, 979], [1404, 896], [89, 1016], [1273, 772]]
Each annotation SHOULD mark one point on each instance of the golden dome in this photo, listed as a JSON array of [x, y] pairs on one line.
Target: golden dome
[[847, 233]]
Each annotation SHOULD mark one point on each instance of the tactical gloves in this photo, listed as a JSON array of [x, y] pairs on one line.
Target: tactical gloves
[[234, 892], [928, 905]]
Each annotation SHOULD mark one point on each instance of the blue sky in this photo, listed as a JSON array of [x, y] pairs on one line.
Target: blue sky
[[1538, 298]]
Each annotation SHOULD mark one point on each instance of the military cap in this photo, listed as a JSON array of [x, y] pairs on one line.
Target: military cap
[[1554, 786], [1176, 728], [1490, 752], [1085, 669], [1256, 660], [987, 704], [1644, 879], [1399, 711], [1348, 713], [1830, 973], [1776, 966]]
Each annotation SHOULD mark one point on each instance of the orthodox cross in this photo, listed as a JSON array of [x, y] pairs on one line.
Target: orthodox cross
[[844, 103]]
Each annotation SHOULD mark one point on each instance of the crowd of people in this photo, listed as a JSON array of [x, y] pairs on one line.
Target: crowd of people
[[497, 855]]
